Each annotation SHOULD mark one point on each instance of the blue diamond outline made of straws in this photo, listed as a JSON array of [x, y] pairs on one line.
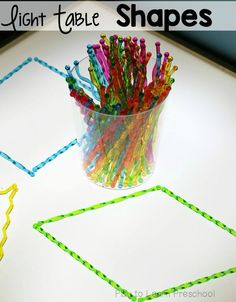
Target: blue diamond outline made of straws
[[32, 171]]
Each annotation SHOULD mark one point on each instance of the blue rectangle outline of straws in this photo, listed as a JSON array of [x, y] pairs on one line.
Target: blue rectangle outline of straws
[[31, 172]]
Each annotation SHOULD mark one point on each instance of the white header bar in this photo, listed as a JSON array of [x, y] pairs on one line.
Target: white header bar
[[128, 15]]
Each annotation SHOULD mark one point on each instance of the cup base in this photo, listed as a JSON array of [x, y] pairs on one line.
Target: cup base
[[117, 187]]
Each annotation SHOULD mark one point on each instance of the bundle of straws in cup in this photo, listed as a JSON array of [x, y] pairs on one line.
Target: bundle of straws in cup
[[120, 105]]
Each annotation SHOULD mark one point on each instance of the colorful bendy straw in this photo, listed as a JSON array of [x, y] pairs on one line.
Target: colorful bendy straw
[[12, 190], [120, 108]]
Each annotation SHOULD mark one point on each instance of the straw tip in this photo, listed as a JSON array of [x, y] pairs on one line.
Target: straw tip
[[15, 187]]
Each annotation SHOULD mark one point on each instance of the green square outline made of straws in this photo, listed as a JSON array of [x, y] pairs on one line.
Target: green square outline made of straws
[[129, 295]]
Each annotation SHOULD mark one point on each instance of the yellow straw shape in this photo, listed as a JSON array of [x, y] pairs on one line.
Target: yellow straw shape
[[13, 189]]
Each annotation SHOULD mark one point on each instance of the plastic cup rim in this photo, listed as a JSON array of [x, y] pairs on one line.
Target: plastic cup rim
[[118, 115]]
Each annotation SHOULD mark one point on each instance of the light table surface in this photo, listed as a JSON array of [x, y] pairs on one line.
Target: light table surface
[[146, 245]]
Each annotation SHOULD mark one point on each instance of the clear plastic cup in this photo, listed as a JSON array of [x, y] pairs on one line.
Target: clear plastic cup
[[118, 151]]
